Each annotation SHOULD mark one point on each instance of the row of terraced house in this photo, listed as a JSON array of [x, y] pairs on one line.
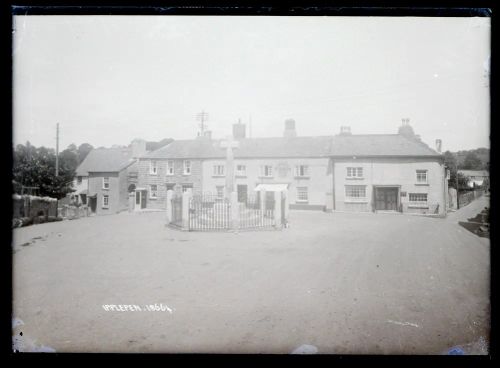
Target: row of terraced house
[[343, 172]]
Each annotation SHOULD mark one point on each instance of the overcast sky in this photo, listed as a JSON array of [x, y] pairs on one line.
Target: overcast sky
[[110, 79]]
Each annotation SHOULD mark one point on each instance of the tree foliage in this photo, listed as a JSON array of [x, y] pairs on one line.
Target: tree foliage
[[451, 163], [35, 167], [83, 151], [472, 162]]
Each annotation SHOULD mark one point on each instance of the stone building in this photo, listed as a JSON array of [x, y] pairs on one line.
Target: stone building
[[345, 172]]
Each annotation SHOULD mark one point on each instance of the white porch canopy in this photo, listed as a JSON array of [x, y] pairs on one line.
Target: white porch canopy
[[271, 187]]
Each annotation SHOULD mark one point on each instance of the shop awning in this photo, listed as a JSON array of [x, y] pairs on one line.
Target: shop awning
[[271, 187]]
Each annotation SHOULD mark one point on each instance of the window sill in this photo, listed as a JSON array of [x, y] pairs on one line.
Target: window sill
[[218, 176], [266, 177], [105, 208], [105, 188], [170, 175], [356, 201], [153, 174], [354, 178], [153, 198], [240, 176], [301, 202], [186, 174], [422, 184], [418, 206], [301, 177]]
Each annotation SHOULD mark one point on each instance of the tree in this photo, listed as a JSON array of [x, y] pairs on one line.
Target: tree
[[35, 167], [450, 161], [83, 150], [472, 162], [68, 159]]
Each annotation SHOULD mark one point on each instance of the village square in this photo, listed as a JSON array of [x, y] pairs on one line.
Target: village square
[[213, 272], [283, 188]]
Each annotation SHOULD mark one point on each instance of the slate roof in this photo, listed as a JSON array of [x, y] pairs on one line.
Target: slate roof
[[371, 145], [248, 148], [105, 160], [395, 145]]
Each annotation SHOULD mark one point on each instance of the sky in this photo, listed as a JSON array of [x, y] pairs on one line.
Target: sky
[[109, 79]]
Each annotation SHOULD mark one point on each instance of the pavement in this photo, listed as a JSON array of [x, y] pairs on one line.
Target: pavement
[[470, 210], [332, 283]]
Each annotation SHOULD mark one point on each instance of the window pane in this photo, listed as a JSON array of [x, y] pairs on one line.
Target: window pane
[[355, 191], [421, 176], [302, 194]]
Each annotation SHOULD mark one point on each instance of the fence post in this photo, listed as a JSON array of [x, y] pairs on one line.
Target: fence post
[[287, 204], [186, 196], [170, 194], [235, 211], [277, 209], [262, 195]]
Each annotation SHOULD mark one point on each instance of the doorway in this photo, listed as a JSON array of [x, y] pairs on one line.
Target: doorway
[[140, 199], [242, 192], [386, 198], [93, 204]]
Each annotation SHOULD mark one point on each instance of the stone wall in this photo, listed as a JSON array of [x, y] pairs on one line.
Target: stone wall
[[161, 179], [31, 206]]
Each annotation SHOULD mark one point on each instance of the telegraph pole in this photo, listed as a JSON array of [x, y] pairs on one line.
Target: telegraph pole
[[57, 150], [250, 126], [202, 117]]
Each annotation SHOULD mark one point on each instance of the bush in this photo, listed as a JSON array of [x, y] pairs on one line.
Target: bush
[[22, 221]]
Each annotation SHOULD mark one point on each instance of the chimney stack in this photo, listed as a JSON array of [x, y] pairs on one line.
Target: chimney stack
[[439, 142], [239, 130], [138, 147], [289, 129], [345, 130]]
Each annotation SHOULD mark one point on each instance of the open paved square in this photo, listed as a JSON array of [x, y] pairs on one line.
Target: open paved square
[[342, 282]]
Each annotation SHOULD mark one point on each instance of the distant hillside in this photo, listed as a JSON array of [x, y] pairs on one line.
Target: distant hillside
[[483, 154]]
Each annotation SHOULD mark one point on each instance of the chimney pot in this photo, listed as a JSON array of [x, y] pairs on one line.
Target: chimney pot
[[439, 143], [239, 130], [345, 130], [290, 128]]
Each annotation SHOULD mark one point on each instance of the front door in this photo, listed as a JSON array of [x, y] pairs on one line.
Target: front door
[[140, 199], [386, 199], [242, 192], [93, 204]]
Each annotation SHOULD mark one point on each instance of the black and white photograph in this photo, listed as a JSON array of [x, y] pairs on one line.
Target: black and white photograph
[[251, 184]]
